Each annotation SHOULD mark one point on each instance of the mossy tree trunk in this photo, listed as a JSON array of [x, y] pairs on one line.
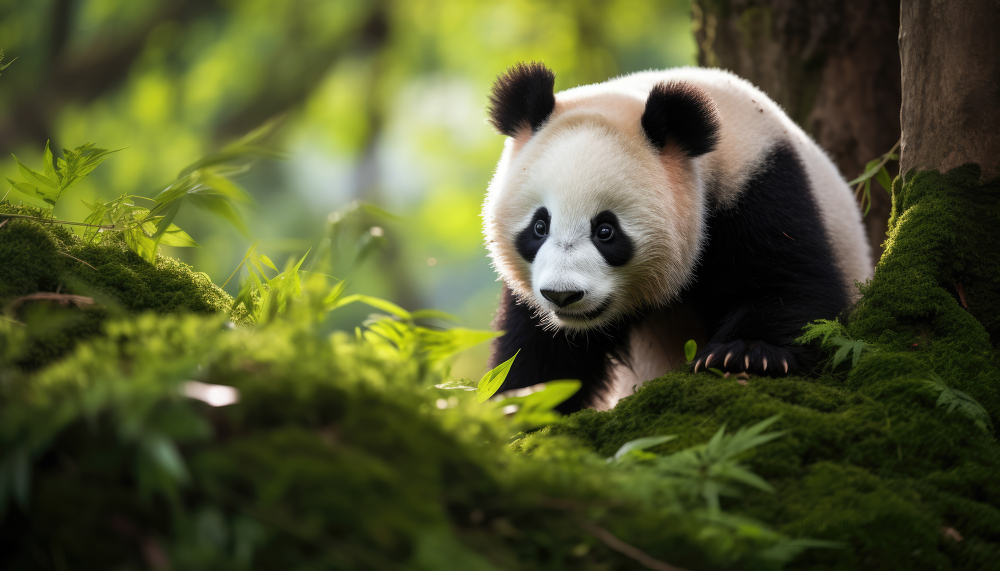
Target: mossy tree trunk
[[936, 291], [832, 64]]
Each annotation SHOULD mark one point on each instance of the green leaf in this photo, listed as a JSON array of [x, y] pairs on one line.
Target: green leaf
[[690, 350], [492, 380], [29, 174], [141, 244], [47, 163], [437, 345], [958, 400], [841, 354], [377, 303], [267, 262], [174, 236], [33, 192], [220, 207], [641, 444], [98, 211], [885, 180]]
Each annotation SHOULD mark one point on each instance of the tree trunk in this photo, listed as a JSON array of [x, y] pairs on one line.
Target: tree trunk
[[832, 64], [950, 55], [936, 292]]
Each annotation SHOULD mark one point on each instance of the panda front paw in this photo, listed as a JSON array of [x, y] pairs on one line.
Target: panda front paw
[[754, 357]]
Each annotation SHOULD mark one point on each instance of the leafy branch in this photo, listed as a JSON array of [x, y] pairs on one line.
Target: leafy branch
[[875, 168], [56, 180]]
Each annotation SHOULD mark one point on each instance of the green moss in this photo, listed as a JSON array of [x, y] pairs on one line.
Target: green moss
[[39, 257], [943, 237]]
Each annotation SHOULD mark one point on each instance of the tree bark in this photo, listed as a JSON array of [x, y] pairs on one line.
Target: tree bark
[[832, 64], [950, 53]]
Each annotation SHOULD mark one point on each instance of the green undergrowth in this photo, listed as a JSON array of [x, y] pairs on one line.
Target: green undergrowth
[[50, 258], [357, 451], [896, 456], [340, 454]]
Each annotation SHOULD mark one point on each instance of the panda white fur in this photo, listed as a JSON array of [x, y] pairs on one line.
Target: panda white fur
[[628, 216]]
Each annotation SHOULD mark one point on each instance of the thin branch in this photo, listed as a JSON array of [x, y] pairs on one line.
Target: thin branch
[[74, 257], [53, 221], [60, 298], [631, 551]]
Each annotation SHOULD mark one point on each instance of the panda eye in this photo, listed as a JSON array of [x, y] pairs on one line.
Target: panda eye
[[540, 228], [605, 232]]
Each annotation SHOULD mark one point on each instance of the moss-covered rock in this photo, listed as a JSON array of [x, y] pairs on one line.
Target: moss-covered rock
[[39, 257]]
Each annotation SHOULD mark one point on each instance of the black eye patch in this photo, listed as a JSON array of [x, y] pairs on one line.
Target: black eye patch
[[610, 240], [530, 240]]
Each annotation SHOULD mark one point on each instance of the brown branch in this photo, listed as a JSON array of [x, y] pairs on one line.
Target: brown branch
[[63, 299], [627, 550]]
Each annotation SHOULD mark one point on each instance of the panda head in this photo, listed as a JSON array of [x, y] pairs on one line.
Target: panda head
[[595, 210]]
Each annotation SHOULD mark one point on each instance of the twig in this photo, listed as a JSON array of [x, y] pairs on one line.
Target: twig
[[74, 257], [2, 224], [53, 221], [620, 546], [63, 299]]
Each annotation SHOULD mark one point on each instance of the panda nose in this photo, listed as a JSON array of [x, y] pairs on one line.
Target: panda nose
[[562, 298]]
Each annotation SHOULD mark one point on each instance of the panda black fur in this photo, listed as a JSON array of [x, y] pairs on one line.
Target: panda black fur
[[628, 216]]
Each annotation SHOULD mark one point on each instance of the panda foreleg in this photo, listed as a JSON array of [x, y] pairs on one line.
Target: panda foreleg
[[768, 269], [547, 355]]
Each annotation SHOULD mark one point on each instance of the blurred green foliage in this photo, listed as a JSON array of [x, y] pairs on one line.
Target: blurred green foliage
[[379, 101]]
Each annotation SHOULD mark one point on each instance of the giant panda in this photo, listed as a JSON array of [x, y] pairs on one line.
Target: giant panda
[[629, 216]]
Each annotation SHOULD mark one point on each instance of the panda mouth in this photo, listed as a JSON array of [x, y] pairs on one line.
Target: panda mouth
[[585, 315]]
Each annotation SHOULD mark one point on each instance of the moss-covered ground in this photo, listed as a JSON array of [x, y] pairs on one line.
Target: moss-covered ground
[[341, 455], [51, 258]]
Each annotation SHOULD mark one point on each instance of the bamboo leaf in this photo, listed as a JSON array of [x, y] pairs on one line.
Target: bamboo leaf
[[174, 236], [641, 444], [493, 378], [30, 174], [47, 163], [884, 180]]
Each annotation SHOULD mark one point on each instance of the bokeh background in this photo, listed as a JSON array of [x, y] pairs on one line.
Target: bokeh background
[[377, 101]]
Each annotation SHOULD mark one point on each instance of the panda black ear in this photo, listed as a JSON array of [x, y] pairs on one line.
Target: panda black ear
[[522, 97], [680, 113]]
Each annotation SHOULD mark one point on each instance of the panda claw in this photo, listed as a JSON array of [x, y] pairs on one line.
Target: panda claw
[[765, 363], [728, 355], [709, 359], [786, 365], [696, 363], [746, 362]]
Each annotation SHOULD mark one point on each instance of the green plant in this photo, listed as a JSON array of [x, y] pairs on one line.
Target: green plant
[[831, 335], [207, 184], [3, 65], [957, 400], [874, 169]]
